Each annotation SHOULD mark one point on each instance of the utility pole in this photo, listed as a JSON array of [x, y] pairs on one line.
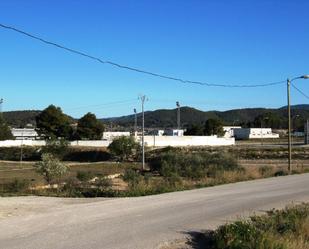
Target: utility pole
[[289, 127], [143, 99], [1, 102], [135, 122], [178, 115], [289, 118]]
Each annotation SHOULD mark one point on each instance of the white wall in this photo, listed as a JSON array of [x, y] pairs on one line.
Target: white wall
[[152, 141], [86, 143], [162, 141]]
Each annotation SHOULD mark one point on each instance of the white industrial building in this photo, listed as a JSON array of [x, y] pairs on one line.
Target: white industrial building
[[229, 130], [251, 133], [24, 134], [174, 132], [179, 141], [110, 135]]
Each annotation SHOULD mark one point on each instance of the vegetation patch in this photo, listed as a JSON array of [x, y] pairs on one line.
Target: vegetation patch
[[277, 229]]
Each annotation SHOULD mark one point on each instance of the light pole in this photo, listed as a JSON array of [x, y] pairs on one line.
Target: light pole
[[178, 115], [289, 118], [143, 99], [1, 102], [135, 122]]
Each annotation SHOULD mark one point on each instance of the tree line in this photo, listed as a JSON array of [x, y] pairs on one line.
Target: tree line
[[52, 124]]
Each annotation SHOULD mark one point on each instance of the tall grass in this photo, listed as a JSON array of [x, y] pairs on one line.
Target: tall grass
[[278, 229]]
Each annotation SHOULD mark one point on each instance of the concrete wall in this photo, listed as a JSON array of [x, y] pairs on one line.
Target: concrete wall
[[86, 143], [151, 141], [162, 141]]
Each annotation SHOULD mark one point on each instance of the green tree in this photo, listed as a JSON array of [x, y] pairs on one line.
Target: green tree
[[195, 130], [124, 147], [213, 127], [50, 167], [57, 147], [269, 120], [52, 123], [89, 127], [5, 131]]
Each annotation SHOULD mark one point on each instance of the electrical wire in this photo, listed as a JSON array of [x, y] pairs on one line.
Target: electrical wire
[[300, 91], [102, 61]]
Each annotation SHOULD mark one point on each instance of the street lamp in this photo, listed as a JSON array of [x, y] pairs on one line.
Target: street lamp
[[289, 118]]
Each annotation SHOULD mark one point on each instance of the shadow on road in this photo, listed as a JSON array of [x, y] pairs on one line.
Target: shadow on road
[[200, 240]]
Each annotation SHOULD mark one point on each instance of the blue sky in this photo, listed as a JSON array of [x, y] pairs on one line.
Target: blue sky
[[224, 42]]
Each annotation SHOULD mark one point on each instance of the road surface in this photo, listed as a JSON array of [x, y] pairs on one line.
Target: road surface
[[142, 222]]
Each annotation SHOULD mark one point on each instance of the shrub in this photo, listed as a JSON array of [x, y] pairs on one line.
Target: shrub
[[132, 177], [265, 170], [280, 173], [18, 185], [50, 167], [103, 182], [74, 154], [13, 153], [57, 147], [84, 175], [278, 229], [193, 166], [124, 147]]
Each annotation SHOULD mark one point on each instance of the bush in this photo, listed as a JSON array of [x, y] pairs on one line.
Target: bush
[[193, 166], [132, 177], [18, 186], [57, 147], [279, 229], [124, 148], [50, 167], [103, 183], [74, 154], [266, 170], [280, 173], [13, 153], [84, 175]]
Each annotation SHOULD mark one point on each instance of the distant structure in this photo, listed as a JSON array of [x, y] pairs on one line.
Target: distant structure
[[178, 115], [252, 133], [24, 134], [167, 132], [174, 132], [307, 132], [229, 130], [110, 135]]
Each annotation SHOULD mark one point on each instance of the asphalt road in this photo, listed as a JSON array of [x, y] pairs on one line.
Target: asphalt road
[[143, 222]]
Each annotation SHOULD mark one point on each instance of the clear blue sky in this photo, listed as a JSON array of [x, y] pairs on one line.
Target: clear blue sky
[[229, 42]]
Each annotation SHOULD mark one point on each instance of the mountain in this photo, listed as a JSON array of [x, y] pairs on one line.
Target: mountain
[[24, 118], [20, 118], [166, 118]]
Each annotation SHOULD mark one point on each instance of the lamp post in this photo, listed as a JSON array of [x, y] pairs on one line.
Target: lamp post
[[289, 118], [135, 122]]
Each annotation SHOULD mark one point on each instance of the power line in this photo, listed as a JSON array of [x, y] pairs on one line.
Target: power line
[[300, 91], [102, 61]]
